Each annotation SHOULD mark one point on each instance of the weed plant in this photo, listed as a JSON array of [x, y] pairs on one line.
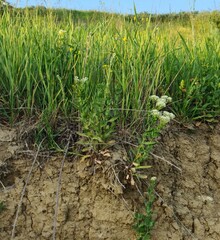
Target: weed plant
[[144, 222]]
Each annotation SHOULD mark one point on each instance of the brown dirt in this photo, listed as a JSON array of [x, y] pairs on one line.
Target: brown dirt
[[93, 205], [189, 207]]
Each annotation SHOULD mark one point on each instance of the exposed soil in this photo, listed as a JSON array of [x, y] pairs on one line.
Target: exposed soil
[[190, 203], [94, 205]]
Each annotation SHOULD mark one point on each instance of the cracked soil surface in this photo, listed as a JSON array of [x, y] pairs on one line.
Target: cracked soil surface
[[93, 205]]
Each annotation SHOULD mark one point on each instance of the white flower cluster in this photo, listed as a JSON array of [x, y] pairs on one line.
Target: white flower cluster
[[82, 80], [153, 179], [160, 103]]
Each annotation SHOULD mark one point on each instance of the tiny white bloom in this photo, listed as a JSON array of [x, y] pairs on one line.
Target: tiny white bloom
[[154, 98], [155, 113], [172, 116], [169, 99], [164, 97], [160, 104], [162, 100], [76, 79], [153, 179], [166, 114], [164, 120], [84, 79]]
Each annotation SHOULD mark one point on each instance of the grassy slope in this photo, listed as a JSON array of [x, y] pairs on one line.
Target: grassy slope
[[126, 59]]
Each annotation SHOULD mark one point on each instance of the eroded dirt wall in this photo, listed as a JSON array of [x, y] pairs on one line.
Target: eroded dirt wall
[[189, 207], [93, 206]]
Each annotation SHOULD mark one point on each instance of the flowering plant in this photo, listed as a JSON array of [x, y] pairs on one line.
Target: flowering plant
[[157, 120]]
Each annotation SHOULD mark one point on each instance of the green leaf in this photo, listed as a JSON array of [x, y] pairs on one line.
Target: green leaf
[[149, 143], [143, 167]]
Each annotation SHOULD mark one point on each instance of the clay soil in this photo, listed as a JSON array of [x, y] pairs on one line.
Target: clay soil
[[94, 205]]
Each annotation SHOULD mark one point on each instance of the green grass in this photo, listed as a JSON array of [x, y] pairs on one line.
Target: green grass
[[125, 62]]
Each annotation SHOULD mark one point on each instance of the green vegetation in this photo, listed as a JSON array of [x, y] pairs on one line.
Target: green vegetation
[[94, 74], [2, 207], [44, 52], [144, 223]]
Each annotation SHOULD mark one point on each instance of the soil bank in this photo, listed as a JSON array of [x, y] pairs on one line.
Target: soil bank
[[94, 205]]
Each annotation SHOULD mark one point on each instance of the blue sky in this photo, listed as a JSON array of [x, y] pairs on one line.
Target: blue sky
[[126, 6]]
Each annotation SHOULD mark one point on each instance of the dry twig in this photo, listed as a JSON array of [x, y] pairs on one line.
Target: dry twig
[[168, 162], [59, 187]]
